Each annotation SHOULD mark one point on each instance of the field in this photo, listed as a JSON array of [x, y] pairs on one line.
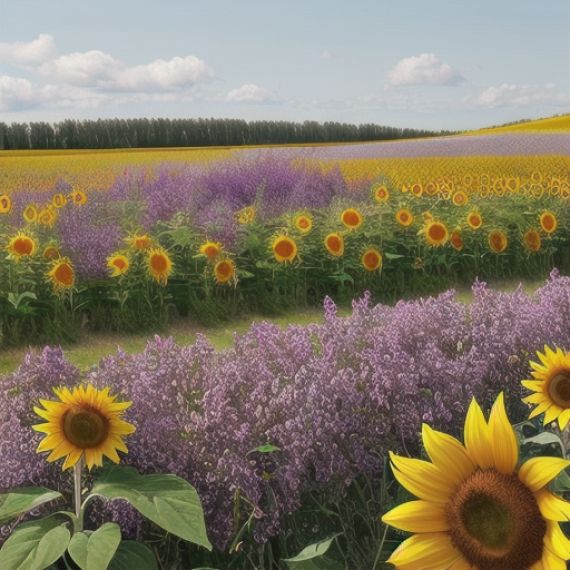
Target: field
[[364, 268]]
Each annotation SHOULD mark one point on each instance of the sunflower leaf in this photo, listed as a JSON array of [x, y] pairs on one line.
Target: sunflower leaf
[[167, 500], [24, 499], [310, 558], [130, 555], [35, 545], [95, 551]]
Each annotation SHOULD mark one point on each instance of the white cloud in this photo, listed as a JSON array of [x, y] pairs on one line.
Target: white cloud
[[511, 95], [87, 68], [424, 69], [163, 74], [25, 53], [15, 93], [250, 93]]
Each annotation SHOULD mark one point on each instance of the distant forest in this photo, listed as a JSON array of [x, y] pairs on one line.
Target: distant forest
[[148, 133]]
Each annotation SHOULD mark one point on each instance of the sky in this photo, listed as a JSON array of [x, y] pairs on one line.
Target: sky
[[437, 64]]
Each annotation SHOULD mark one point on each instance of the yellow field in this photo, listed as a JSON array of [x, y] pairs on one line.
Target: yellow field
[[550, 125]]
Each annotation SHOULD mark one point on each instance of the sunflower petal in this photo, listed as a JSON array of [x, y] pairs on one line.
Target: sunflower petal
[[426, 551], [72, 458], [418, 516], [534, 385], [447, 454], [542, 407], [537, 472], [552, 507], [552, 413], [503, 438], [555, 540], [563, 419], [477, 437], [551, 561]]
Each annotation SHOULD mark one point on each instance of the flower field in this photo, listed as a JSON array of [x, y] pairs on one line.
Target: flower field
[[265, 229], [286, 435]]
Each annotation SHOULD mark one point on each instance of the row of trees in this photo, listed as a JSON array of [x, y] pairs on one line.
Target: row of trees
[[146, 133]]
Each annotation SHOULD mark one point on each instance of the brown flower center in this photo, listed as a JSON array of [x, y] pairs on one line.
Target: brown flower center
[[351, 218], [559, 389], [64, 274], [158, 263], [284, 248], [85, 427], [437, 232], [495, 522]]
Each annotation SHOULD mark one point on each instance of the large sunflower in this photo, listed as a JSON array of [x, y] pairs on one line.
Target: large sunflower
[[335, 244], [118, 264], [548, 222], [224, 270], [284, 248], [5, 204], [476, 510], [551, 386], [351, 218], [435, 233], [61, 274], [159, 265], [85, 423], [211, 249], [21, 245]]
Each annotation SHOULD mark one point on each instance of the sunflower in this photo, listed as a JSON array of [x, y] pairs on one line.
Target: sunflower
[[159, 265], [140, 242], [334, 244], [456, 240], [118, 264], [381, 194], [78, 197], [21, 245], [224, 270], [431, 189], [475, 508], [246, 215], [548, 222], [85, 423], [58, 200], [304, 223], [436, 234], [498, 241], [284, 248], [532, 240], [459, 198], [371, 259], [47, 216], [404, 217], [474, 220], [551, 386], [51, 252], [417, 190], [30, 213], [211, 249], [61, 274], [351, 218], [5, 204]]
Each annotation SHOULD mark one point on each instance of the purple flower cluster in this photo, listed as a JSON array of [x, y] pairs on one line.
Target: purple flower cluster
[[333, 397]]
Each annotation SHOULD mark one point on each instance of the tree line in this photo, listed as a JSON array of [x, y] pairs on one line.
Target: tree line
[[149, 133]]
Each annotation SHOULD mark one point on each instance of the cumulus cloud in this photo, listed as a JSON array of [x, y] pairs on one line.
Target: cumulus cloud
[[424, 69], [511, 95], [15, 93], [27, 53], [81, 68], [250, 93]]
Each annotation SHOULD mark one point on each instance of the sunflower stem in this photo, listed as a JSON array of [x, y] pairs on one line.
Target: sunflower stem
[[77, 470]]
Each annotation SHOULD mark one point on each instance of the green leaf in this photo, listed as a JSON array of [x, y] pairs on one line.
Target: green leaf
[[131, 555], [95, 551], [389, 255], [24, 499], [267, 448], [167, 500], [310, 552], [35, 545]]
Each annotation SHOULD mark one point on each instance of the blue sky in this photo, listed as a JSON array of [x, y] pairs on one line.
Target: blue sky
[[430, 64]]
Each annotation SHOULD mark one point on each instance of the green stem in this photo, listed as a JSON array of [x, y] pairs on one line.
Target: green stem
[[77, 469], [380, 548]]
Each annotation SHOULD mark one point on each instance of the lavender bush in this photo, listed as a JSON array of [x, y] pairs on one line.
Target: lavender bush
[[333, 397]]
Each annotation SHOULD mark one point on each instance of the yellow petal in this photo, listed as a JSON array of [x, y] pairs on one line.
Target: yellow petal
[[534, 385], [72, 459], [551, 561], [477, 437], [421, 478], [555, 540], [418, 516], [426, 551], [552, 507], [535, 398], [64, 448], [563, 419], [49, 442], [503, 438], [46, 428], [542, 407], [447, 454], [552, 413], [537, 472]]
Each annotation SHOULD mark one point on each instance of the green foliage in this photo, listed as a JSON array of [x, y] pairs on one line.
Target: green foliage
[[95, 551], [24, 499]]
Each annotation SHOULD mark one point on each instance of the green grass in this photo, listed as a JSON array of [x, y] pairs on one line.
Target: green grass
[[93, 347]]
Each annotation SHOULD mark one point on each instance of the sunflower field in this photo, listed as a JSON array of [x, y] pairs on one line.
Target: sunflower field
[[269, 231]]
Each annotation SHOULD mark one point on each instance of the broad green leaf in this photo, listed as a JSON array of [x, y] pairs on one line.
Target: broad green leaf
[[133, 555], [313, 550], [167, 500], [95, 551], [35, 545], [24, 499], [389, 255]]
